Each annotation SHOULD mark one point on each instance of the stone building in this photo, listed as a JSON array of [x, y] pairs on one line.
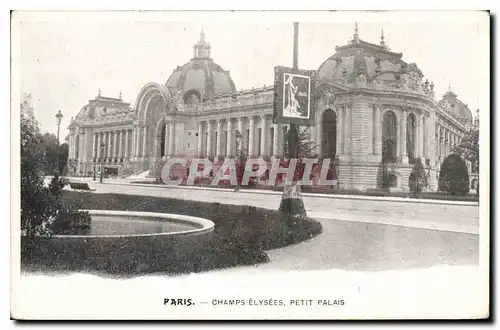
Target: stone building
[[371, 107]]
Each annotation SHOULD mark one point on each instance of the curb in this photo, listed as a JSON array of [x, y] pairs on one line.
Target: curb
[[316, 195]]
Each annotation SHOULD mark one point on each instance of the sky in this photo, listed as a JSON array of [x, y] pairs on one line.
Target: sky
[[64, 58]]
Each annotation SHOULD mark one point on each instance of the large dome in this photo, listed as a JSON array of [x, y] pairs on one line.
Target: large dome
[[375, 62], [201, 78]]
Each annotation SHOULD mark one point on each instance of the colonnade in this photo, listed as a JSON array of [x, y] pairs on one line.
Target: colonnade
[[258, 136], [112, 145], [446, 140]]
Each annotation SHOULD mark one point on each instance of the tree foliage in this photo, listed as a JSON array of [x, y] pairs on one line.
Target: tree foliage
[[306, 148], [418, 178], [454, 176], [468, 148], [42, 210], [54, 153]]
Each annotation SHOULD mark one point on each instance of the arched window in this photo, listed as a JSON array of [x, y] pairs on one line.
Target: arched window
[[389, 137], [411, 137], [329, 140]]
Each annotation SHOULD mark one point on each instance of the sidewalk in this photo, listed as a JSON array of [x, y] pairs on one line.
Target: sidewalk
[[315, 195]]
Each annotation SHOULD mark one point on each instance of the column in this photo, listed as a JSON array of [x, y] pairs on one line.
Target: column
[[125, 153], [421, 139], [98, 146], [200, 139], [218, 150], [133, 152], [171, 138], [276, 134], [340, 129], [165, 141], [347, 128], [94, 152], [441, 142], [120, 144], [81, 146], [263, 136], [402, 137], [209, 138], [229, 145], [138, 134], [242, 139], [377, 147], [145, 140], [319, 133], [251, 139], [109, 145], [115, 144]]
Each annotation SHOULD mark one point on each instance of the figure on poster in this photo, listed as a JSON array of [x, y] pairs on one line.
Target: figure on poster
[[291, 105]]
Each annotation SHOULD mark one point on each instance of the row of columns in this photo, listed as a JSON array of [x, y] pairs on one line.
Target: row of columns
[[209, 148], [446, 139], [140, 137], [116, 144]]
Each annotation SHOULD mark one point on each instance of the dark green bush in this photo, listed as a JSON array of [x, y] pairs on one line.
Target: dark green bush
[[454, 176]]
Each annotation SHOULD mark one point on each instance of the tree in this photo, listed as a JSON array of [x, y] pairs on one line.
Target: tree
[[454, 176], [42, 210], [54, 154], [418, 178], [306, 148], [468, 148]]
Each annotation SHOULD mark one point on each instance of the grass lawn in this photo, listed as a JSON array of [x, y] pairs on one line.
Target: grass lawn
[[241, 235]]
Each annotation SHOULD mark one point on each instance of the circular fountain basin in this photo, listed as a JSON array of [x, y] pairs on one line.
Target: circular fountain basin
[[106, 223], [124, 239]]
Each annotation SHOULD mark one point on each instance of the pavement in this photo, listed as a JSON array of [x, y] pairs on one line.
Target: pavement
[[460, 217], [358, 233]]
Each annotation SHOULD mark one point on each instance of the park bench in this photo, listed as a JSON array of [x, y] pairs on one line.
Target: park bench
[[80, 186]]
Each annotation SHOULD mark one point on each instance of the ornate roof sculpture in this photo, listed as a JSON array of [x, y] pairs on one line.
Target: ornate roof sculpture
[[363, 64], [360, 64], [201, 78]]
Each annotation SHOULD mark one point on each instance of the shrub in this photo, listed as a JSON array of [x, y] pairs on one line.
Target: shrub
[[383, 177], [454, 176], [418, 178]]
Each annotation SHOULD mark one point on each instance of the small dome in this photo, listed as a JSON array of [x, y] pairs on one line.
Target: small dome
[[451, 102], [201, 78]]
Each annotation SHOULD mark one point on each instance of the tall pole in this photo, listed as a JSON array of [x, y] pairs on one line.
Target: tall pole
[[59, 116], [291, 201], [292, 135], [57, 149]]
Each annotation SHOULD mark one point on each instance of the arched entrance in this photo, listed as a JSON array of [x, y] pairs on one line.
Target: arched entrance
[[150, 108], [329, 139]]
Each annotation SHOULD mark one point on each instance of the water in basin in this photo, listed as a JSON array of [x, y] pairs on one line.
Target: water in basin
[[132, 225]]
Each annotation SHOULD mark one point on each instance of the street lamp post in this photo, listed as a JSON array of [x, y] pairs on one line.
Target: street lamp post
[[59, 116], [102, 158]]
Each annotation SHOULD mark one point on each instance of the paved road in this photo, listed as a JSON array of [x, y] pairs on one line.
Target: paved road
[[357, 234], [445, 217]]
